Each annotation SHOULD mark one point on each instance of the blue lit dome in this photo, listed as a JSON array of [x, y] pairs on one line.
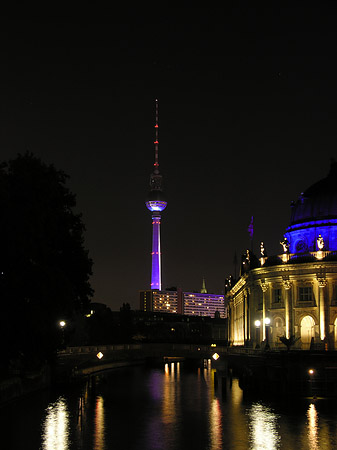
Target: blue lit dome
[[315, 214], [156, 201]]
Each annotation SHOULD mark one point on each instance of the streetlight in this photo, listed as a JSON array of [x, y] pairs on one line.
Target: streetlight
[[267, 323], [257, 324], [311, 373], [62, 324]]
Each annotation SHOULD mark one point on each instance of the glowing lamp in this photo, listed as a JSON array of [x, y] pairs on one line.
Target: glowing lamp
[[311, 371], [99, 355], [257, 323], [62, 323], [267, 321], [215, 356]]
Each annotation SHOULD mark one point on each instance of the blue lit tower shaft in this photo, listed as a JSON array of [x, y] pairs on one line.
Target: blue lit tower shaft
[[156, 203], [156, 254]]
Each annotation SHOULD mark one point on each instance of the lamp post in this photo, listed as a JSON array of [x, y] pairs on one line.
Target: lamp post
[[311, 373], [62, 324], [257, 324], [266, 324]]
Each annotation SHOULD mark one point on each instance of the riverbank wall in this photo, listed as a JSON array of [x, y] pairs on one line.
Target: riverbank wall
[[19, 385], [297, 373]]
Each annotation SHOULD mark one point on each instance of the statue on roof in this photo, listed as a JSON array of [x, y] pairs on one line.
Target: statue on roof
[[285, 244], [320, 242], [262, 250]]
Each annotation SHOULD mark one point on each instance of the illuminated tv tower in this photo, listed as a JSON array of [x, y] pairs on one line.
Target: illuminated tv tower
[[156, 204]]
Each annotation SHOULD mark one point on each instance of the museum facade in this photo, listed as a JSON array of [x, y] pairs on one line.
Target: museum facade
[[292, 296]]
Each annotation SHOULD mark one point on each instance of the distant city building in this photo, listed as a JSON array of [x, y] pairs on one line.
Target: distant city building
[[188, 303], [162, 301], [198, 304], [292, 295]]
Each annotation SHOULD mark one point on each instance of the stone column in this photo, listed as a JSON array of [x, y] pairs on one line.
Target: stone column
[[247, 316], [323, 326], [264, 287], [287, 284]]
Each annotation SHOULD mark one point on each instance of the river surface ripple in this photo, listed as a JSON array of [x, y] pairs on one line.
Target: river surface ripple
[[171, 407]]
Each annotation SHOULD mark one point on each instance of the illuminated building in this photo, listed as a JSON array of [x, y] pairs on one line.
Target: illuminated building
[[187, 303], [156, 204], [204, 304], [162, 301], [296, 291]]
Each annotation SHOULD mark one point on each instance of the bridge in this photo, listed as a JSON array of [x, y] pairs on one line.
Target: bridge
[[87, 360], [286, 373]]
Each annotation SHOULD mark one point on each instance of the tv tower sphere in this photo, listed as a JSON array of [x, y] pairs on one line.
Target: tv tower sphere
[[156, 203]]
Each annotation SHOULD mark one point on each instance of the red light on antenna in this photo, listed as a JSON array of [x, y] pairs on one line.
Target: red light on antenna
[[156, 126], [156, 142]]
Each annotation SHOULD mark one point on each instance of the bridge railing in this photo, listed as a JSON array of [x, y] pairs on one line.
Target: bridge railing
[[148, 348]]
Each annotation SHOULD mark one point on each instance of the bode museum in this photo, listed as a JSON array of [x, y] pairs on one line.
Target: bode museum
[[292, 296]]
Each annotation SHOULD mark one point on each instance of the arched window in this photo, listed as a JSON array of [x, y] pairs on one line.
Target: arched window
[[278, 331], [278, 325], [307, 331]]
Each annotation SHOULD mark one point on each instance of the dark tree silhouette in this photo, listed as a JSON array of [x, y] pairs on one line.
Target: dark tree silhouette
[[288, 342], [44, 267]]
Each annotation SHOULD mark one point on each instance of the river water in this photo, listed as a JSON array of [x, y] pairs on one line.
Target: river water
[[171, 407]]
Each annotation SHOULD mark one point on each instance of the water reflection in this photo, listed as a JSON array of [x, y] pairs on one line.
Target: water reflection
[[169, 408], [170, 395], [170, 403], [263, 427], [163, 426], [215, 411], [215, 422], [55, 429], [312, 427], [99, 424]]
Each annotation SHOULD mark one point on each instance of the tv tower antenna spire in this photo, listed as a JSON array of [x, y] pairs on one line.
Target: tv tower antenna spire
[[156, 143]]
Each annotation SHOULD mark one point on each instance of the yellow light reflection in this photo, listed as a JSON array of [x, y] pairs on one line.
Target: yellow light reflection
[[216, 425], [99, 424], [170, 406], [263, 427], [55, 429], [215, 412], [237, 393], [208, 373], [312, 427]]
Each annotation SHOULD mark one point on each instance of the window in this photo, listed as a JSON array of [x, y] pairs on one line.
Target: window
[[305, 294], [277, 295]]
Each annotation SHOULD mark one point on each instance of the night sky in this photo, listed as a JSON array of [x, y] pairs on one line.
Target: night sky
[[247, 121]]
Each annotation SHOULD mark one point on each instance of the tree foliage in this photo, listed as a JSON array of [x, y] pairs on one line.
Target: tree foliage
[[289, 342], [44, 267]]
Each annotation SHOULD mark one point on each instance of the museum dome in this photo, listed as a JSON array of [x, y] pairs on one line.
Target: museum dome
[[314, 216], [319, 201]]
